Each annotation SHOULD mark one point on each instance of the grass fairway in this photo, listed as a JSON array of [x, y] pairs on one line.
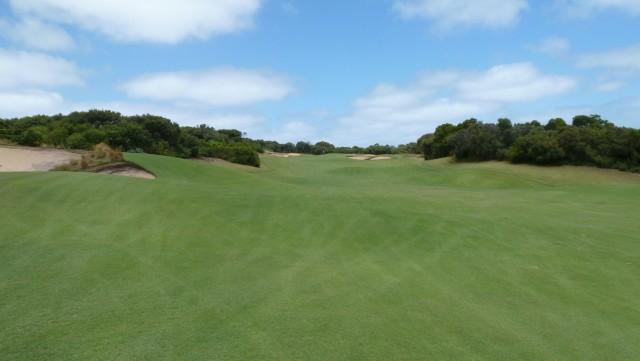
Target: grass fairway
[[321, 258]]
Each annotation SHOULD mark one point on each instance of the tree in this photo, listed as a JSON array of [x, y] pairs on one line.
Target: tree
[[505, 129], [467, 123], [159, 128], [555, 124], [538, 148], [129, 135], [303, 147], [409, 148], [478, 142], [57, 136], [322, 147], [442, 144], [425, 144], [593, 120], [77, 141], [232, 135], [33, 136], [380, 149]]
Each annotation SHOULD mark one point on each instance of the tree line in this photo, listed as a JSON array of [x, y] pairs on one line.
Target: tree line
[[324, 147], [588, 140], [158, 135], [140, 133]]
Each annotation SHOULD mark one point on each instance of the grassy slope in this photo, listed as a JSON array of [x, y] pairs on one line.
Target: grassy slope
[[320, 258]]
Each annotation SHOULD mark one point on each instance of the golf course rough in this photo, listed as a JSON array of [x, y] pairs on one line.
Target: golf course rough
[[321, 258]]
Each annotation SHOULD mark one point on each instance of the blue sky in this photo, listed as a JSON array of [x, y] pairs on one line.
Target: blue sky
[[353, 72]]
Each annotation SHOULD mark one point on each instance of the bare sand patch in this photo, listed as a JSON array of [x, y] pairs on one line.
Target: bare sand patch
[[369, 157], [212, 160], [124, 169], [283, 155], [27, 159]]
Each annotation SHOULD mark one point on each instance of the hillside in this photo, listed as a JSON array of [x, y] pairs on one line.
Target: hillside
[[321, 258]]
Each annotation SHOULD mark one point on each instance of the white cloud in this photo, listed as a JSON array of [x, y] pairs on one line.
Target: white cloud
[[29, 102], [242, 122], [513, 83], [627, 58], [35, 34], [161, 21], [621, 111], [553, 46], [397, 113], [292, 132], [22, 69], [586, 8], [609, 86], [224, 86], [449, 14]]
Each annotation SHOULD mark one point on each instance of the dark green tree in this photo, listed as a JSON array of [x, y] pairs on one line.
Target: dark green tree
[[537, 148], [478, 142], [555, 124], [322, 147]]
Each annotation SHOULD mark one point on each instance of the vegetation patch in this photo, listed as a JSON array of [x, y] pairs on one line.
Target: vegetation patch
[[588, 140], [100, 155], [106, 160]]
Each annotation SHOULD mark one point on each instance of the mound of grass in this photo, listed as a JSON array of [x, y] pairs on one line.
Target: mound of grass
[[321, 258], [100, 155]]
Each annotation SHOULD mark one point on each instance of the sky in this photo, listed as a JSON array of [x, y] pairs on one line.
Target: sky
[[354, 72]]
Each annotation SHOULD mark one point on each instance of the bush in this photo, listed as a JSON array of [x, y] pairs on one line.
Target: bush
[[537, 148], [235, 153]]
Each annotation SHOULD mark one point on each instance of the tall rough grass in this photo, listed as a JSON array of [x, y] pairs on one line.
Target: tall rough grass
[[100, 155]]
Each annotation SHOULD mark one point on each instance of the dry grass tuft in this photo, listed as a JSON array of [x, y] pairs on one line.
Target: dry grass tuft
[[100, 155]]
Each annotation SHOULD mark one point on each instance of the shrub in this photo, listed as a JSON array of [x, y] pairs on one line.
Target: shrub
[[235, 153], [536, 148]]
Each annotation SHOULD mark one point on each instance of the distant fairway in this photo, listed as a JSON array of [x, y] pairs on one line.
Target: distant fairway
[[321, 258]]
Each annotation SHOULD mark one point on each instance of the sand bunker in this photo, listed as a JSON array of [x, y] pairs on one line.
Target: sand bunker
[[369, 157], [283, 155], [124, 169], [25, 159]]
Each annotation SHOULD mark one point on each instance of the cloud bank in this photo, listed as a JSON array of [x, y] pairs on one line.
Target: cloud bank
[[626, 58], [586, 8], [158, 21], [218, 87], [449, 14], [35, 34], [397, 113], [32, 69]]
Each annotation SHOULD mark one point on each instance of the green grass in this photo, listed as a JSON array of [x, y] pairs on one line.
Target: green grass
[[321, 258]]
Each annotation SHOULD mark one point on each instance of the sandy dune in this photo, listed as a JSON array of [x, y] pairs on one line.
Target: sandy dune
[[24, 159]]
